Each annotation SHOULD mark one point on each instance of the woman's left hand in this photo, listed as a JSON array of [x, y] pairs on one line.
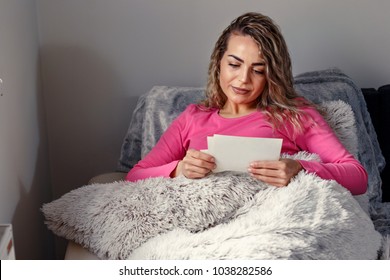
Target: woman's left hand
[[277, 173]]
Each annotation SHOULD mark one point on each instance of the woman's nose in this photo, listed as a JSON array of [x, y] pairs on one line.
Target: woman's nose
[[243, 76]]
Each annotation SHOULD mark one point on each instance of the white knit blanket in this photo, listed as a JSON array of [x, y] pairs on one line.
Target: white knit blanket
[[223, 216]]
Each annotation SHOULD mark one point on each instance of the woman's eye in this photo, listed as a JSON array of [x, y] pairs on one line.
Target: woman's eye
[[233, 65], [259, 72]]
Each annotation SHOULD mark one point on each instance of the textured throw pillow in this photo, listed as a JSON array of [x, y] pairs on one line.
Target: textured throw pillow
[[341, 119]]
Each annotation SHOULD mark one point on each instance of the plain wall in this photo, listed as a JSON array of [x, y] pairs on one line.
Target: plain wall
[[24, 166], [99, 56]]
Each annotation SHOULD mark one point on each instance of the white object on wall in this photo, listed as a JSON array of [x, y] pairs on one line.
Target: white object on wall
[[7, 249]]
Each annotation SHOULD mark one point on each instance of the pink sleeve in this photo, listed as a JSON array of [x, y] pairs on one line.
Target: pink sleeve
[[337, 163], [164, 157]]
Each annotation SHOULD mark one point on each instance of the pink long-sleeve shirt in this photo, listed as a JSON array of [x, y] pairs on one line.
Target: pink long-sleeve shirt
[[191, 128]]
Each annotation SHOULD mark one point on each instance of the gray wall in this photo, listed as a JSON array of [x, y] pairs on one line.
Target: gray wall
[[24, 168], [98, 56]]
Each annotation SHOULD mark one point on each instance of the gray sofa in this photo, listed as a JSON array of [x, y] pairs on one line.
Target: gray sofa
[[157, 108]]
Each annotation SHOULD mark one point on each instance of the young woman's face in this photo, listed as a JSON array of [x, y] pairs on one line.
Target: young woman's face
[[242, 72]]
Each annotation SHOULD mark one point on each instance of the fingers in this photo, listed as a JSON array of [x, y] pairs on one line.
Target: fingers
[[197, 164], [274, 181], [278, 173], [195, 154], [269, 168]]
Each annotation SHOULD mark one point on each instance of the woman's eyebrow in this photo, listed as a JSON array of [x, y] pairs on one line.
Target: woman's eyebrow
[[262, 63]]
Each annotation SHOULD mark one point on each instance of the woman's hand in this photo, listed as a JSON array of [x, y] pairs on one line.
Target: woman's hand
[[195, 165], [277, 173]]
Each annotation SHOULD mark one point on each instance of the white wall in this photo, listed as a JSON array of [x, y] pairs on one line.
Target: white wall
[[98, 56], [24, 169]]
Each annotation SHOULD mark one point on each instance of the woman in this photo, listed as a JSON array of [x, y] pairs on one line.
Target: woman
[[250, 93]]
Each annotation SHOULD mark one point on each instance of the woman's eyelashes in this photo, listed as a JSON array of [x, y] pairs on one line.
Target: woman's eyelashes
[[238, 65], [233, 65], [258, 72]]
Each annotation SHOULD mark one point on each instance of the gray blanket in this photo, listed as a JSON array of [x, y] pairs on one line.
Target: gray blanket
[[164, 218]]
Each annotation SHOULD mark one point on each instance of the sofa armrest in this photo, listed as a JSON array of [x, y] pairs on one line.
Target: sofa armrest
[[75, 251], [107, 178], [378, 102]]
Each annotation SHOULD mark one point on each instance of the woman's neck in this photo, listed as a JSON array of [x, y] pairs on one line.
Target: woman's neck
[[229, 111]]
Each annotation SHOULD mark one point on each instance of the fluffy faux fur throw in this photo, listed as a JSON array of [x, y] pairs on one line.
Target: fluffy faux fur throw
[[223, 216]]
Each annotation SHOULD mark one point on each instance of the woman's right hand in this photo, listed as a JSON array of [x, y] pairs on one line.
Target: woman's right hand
[[195, 165]]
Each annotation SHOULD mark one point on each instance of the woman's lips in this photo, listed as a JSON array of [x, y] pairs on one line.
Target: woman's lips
[[238, 90]]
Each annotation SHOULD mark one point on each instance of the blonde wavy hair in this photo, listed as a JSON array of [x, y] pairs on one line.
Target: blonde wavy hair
[[278, 100]]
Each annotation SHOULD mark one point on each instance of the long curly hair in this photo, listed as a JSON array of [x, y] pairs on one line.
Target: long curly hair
[[279, 100]]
